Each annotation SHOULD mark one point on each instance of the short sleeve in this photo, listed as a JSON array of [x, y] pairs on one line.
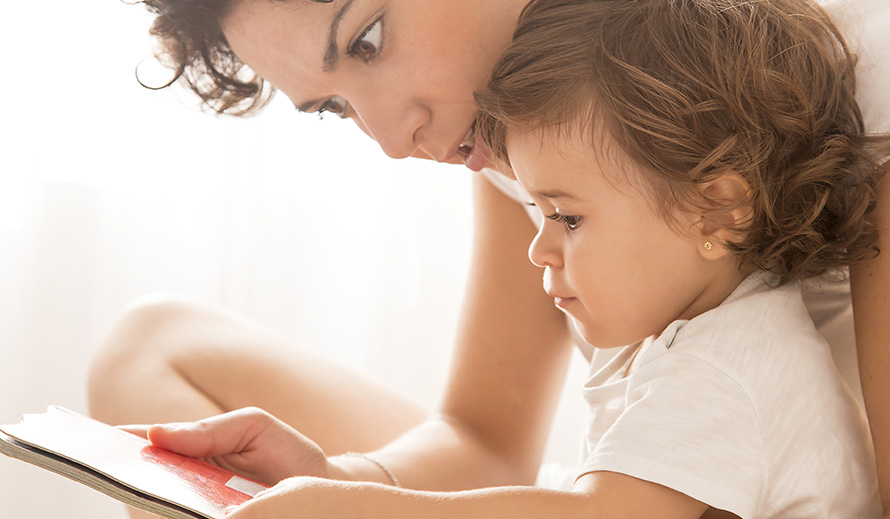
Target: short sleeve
[[874, 74], [864, 25], [690, 427]]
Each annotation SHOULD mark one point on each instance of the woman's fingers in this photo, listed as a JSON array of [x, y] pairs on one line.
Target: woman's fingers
[[248, 441], [230, 433]]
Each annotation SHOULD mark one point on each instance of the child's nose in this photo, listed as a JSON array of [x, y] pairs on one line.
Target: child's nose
[[543, 251]]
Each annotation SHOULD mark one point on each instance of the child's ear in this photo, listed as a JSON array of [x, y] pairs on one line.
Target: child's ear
[[729, 196]]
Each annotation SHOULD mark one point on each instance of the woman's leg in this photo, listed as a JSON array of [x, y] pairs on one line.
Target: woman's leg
[[172, 360]]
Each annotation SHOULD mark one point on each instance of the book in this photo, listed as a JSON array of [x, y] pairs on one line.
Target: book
[[125, 466]]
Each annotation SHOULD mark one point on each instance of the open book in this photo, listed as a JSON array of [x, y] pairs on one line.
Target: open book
[[125, 466]]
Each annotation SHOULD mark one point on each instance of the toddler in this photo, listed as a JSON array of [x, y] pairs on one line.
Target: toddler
[[693, 161]]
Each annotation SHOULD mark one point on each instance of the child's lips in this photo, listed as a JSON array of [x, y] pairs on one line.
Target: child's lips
[[562, 302]]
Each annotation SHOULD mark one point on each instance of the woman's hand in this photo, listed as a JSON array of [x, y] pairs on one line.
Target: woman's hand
[[249, 441]]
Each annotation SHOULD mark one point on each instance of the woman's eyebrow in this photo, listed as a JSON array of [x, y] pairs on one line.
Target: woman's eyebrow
[[332, 54]]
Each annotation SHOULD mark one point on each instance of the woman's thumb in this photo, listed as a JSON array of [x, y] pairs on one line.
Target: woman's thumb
[[187, 438]]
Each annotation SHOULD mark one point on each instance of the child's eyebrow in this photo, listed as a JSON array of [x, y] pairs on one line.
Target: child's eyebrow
[[551, 194]]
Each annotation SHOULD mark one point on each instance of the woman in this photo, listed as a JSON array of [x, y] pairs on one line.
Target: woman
[[405, 72]]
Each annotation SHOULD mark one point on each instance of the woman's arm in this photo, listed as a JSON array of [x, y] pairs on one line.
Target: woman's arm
[[871, 309], [512, 352]]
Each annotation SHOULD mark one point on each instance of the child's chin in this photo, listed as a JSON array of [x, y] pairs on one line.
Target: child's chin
[[585, 332], [596, 338]]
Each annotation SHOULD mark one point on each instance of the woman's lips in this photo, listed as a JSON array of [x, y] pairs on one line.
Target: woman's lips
[[475, 157]]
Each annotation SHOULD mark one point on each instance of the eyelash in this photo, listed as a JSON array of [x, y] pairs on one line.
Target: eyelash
[[571, 222], [354, 48], [341, 109], [335, 105]]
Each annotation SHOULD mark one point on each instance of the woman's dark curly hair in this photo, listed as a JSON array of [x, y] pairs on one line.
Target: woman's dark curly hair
[[191, 43], [693, 89]]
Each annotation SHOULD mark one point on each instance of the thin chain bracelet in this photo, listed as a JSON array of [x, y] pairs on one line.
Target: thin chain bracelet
[[389, 474]]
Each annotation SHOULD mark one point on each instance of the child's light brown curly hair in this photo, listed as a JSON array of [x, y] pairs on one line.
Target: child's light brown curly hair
[[693, 89]]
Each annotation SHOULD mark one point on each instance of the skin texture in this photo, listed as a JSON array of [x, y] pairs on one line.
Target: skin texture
[[169, 360]]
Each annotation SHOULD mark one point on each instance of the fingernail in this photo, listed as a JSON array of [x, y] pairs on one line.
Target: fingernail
[[172, 427], [230, 509]]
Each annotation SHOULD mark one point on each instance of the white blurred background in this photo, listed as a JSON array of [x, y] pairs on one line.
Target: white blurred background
[[109, 191]]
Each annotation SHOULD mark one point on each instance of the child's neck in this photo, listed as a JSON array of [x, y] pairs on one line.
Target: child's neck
[[713, 295], [724, 281]]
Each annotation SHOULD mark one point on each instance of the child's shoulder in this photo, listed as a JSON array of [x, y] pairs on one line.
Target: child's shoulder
[[757, 335], [758, 314], [753, 383]]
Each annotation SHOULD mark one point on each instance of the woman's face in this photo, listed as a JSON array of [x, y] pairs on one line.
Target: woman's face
[[403, 70]]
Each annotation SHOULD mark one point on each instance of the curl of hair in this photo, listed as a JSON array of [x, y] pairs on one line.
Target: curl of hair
[[190, 43], [693, 89]]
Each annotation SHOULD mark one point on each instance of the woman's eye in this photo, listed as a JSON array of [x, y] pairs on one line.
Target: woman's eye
[[367, 46], [335, 105]]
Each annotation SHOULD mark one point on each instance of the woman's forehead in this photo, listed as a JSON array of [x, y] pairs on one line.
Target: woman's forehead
[[286, 43]]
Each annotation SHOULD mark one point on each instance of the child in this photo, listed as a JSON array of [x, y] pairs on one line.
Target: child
[[693, 160]]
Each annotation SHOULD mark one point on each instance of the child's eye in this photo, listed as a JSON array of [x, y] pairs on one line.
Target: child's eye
[[335, 105], [571, 222], [367, 46]]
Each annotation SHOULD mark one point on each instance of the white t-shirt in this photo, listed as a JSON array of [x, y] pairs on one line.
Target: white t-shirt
[[865, 25], [741, 408]]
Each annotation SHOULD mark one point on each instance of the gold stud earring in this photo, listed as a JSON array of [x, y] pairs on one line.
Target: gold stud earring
[[708, 245]]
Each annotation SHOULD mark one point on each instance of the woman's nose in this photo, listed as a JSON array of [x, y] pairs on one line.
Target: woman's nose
[[543, 251], [397, 127]]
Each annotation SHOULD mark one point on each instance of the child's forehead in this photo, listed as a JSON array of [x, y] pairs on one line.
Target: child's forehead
[[569, 143], [549, 160]]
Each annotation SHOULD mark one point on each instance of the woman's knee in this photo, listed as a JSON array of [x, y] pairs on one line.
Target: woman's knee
[[142, 341], [149, 326]]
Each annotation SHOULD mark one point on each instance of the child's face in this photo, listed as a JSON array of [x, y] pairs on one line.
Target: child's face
[[611, 261]]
